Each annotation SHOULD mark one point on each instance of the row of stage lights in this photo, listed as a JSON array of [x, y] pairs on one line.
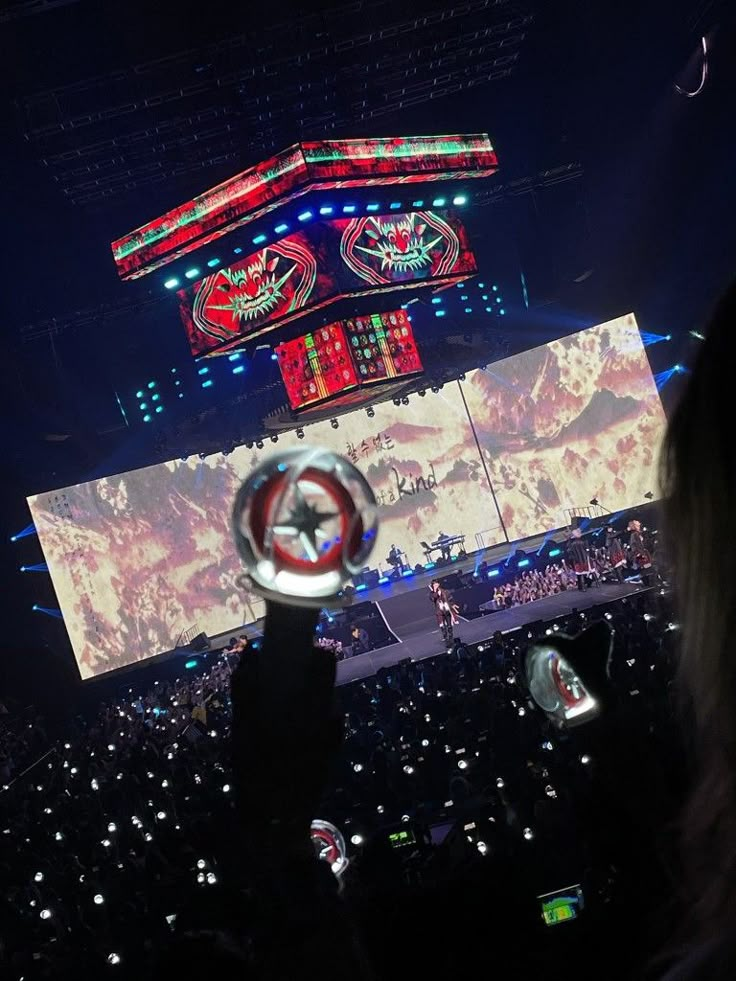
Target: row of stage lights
[[309, 214]]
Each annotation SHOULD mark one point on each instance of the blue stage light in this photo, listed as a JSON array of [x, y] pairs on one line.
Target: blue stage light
[[143, 406], [259, 239], [235, 357], [384, 581], [306, 216], [191, 664], [678, 368], [239, 369], [463, 296], [439, 202], [436, 299], [281, 227], [39, 567], [155, 397], [407, 572], [492, 573], [417, 204], [649, 338], [192, 273], [481, 286], [173, 371], [159, 408], [181, 395], [554, 552], [489, 309], [326, 209], [139, 395], [274, 357], [502, 312], [460, 199], [152, 384], [523, 562], [147, 418], [360, 588], [237, 251], [372, 207], [395, 205], [348, 209], [494, 288], [177, 383], [430, 565], [203, 371], [171, 283], [439, 313], [207, 384], [50, 611], [213, 262], [468, 309]]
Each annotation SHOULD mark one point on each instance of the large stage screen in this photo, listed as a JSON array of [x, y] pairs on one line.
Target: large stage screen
[[140, 558], [576, 419]]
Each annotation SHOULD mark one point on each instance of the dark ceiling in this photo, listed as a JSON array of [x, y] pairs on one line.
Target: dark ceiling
[[612, 194]]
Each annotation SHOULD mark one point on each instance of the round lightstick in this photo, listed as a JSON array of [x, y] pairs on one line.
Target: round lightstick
[[329, 845], [557, 689], [304, 523]]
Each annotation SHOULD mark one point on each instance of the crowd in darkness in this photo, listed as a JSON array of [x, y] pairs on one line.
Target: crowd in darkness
[[120, 840]]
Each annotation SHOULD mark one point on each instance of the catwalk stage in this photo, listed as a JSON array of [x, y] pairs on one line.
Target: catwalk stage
[[410, 617]]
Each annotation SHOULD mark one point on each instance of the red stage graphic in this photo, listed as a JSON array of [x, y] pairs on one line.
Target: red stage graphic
[[291, 173], [318, 264], [345, 354]]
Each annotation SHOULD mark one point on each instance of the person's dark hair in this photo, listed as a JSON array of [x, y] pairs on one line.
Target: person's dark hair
[[698, 477]]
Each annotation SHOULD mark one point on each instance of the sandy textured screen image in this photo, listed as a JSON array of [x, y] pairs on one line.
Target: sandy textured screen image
[[561, 424], [141, 558]]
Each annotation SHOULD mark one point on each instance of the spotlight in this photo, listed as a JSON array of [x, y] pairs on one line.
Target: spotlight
[[528, 834], [678, 368], [99, 899], [113, 958], [300, 433], [356, 840], [45, 914], [274, 438], [435, 389], [201, 863], [334, 423], [211, 879], [397, 401], [422, 392], [405, 400], [370, 412], [259, 444], [38, 877]]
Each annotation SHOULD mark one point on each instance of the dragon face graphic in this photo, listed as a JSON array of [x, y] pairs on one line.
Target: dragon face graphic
[[399, 243], [252, 292]]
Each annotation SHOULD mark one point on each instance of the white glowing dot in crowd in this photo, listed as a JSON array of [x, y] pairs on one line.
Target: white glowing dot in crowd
[[38, 877], [425, 742], [380, 808], [81, 878], [164, 784], [113, 958], [500, 783], [45, 914], [99, 899], [528, 834], [119, 776], [357, 840], [106, 842], [522, 711], [548, 631], [175, 746], [67, 746], [39, 788], [121, 713], [94, 784], [201, 863], [161, 815], [111, 747], [226, 788], [427, 717], [405, 818], [585, 759], [482, 847], [149, 775], [66, 765], [550, 791], [32, 903], [357, 767], [462, 764], [148, 836], [47, 810], [73, 771], [112, 827], [408, 769], [169, 756], [555, 626], [200, 877], [213, 733], [211, 878], [547, 745], [59, 836], [673, 626]]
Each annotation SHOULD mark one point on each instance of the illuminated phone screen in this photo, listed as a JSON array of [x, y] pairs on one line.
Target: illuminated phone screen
[[561, 906]]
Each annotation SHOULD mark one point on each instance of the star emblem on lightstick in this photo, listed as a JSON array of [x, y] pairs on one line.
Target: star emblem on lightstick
[[305, 523]]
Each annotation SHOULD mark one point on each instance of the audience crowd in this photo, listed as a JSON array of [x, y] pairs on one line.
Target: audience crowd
[[121, 831]]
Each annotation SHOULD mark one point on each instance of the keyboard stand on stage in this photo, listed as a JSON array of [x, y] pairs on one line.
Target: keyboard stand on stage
[[444, 545]]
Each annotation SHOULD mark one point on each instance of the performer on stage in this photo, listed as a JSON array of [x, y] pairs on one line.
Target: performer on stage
[[577, 554], [445, 610], [394, 559], [639, 552], [616, 555], [445, 549]]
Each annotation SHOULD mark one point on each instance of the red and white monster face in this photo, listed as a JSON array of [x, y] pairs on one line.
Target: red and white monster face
[[250, 293], [399, 243]]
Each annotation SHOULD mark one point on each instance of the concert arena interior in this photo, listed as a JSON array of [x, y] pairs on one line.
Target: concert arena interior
[[367, 507]]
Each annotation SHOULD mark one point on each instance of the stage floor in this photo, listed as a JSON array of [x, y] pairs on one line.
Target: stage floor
[[421, 638]]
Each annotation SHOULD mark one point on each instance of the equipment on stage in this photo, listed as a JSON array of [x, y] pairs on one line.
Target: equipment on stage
[[304, 523], [329, 845], [398, 560], [444, 545]]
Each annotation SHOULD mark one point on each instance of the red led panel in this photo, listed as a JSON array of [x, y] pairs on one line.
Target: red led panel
[[316, 366], [323, 262], [291, 173], [335, 359]]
